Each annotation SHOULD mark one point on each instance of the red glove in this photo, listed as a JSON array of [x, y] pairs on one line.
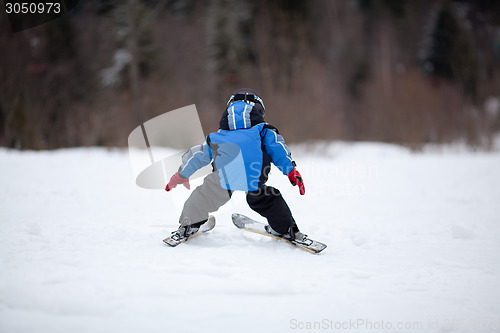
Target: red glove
[[176, 180], [296, 179]]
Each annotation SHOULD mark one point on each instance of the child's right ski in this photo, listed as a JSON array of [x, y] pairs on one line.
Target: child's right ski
[[245, 223]]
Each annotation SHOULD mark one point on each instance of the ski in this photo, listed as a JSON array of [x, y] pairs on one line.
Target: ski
[[205, 227], [245, 223]]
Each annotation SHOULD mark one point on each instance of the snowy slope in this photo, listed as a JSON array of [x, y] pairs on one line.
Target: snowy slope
[[413, 245]]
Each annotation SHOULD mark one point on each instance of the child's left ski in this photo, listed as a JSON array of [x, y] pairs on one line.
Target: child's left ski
[[245, 223], [205, 227]]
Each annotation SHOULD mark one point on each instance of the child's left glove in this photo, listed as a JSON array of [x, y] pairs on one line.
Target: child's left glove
[[296, 179], [176, 180]]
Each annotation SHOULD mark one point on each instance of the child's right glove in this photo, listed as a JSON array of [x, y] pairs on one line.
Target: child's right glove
[[296, 179]]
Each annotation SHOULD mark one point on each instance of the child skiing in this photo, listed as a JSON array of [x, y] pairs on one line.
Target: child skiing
[[241, 152]]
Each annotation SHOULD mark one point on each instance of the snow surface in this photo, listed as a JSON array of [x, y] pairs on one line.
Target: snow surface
[[413, 242]]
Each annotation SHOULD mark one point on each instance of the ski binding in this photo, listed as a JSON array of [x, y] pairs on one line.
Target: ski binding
[[205, 227]]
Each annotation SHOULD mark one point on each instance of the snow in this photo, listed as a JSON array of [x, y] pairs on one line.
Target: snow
[[413, 245]]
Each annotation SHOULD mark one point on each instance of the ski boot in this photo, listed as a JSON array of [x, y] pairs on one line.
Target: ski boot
[[186, 231], [293, 234]]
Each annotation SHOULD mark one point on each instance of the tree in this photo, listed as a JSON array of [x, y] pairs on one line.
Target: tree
[[448, 52]]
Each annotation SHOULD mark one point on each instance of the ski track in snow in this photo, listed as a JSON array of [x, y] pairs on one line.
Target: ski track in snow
[[412, 237]]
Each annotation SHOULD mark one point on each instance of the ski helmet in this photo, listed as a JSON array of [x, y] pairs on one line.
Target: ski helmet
[[250, 96]]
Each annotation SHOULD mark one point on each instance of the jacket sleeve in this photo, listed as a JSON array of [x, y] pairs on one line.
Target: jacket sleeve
[[275, 147], [195, 158]]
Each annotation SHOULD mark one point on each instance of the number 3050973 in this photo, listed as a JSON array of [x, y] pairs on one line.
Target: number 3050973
[[33, 8]]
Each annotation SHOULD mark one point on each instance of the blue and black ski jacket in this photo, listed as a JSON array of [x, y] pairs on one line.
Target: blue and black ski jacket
[[241, 150]]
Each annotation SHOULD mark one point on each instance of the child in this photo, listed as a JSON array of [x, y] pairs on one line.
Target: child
[[241, 152]]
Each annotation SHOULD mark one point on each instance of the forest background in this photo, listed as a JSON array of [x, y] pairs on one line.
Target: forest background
[[403, 71]]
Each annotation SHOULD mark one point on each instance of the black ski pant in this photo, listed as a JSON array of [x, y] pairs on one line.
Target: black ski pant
[[268, 202], [210, 196]]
